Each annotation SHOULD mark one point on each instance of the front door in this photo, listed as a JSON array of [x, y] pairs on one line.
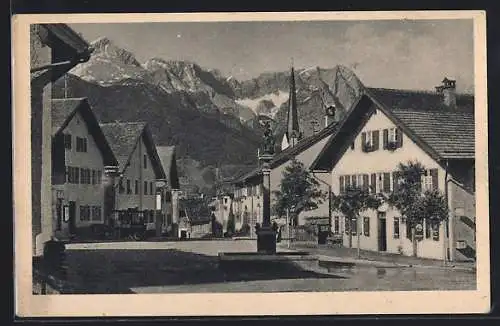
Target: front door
[[72, 218], [382, 232]]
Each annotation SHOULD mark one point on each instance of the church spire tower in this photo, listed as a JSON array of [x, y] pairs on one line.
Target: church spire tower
[[292, 134]]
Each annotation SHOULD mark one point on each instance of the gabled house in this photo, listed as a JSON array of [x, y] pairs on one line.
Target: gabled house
[[390, 126], [170, 192], [54, 50], [139, 170], [80, 154]]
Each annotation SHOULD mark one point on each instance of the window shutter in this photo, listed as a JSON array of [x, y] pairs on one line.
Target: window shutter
[[395, 183], [434, 176], [387, 182], [385, 138], [373, 185], [365, 182], [399, 137], [366, 226], [341, 184], [346, 225], [375, 136], [363, 141]]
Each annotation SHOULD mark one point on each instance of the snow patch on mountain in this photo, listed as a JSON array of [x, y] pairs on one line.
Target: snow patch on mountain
[[277, 98]]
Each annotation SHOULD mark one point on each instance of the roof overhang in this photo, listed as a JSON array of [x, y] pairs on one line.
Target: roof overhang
[[68, 50]]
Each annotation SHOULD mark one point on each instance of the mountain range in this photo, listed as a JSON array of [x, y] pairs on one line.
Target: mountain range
[[212, 119]]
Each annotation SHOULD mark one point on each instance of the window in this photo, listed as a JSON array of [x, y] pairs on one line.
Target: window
[[430, 180], [373, 183], [336, 225], [99, 176], [387, 182], [151, 192], [380, 182], [136, 187], [366, 226], [94, 177], [81, 144], [370, 140], [96, 213], [359, 180], [395, 229], [145, 161], [393, 138], [354, 180], [341, 184], [145, 187], [121, 188], [67, 141], [73, 175], [392, 135], [85, 176], [129, 189], [84, 213], [354, 226]]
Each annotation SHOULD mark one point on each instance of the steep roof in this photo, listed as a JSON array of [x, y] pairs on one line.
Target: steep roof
[[123, 138], [441, 131], [448, 131], [167, 159], [63, 110]]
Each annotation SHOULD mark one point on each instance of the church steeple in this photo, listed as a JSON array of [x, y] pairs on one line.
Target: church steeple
[[292, 134]]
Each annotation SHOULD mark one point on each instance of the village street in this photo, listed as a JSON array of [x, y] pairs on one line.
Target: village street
[[192, 266]]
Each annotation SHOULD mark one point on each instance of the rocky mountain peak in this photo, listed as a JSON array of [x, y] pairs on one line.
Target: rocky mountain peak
[[104, 47]]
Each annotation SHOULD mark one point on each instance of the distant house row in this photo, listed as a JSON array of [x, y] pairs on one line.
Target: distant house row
[[364, 146], [108, 173]]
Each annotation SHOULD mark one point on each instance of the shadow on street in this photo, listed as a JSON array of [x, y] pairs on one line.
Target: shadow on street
[[115, 271]]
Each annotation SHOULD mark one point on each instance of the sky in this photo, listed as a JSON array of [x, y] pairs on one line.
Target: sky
[[393, 54]]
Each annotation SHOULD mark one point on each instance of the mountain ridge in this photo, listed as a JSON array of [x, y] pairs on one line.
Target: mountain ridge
[[213, 118]]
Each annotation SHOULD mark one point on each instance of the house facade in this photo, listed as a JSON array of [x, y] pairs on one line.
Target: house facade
[[139, 170], [388, 127], [169, 194], [80, 154], [54, 50]]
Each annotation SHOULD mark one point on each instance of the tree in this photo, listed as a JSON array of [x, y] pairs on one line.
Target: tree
[[299, 191], [351, 203], [414, 204]]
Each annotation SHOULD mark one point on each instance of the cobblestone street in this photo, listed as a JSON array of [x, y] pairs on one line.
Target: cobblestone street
[[191, 266]]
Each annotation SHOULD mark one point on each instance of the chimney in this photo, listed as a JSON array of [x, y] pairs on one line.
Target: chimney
[[448, 90]]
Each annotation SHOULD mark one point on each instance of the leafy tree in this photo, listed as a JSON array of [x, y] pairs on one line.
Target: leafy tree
[[299, 191], [351, 203], [412, 203]]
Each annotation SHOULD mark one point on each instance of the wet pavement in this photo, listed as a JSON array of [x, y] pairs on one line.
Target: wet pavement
[[172, 267]]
